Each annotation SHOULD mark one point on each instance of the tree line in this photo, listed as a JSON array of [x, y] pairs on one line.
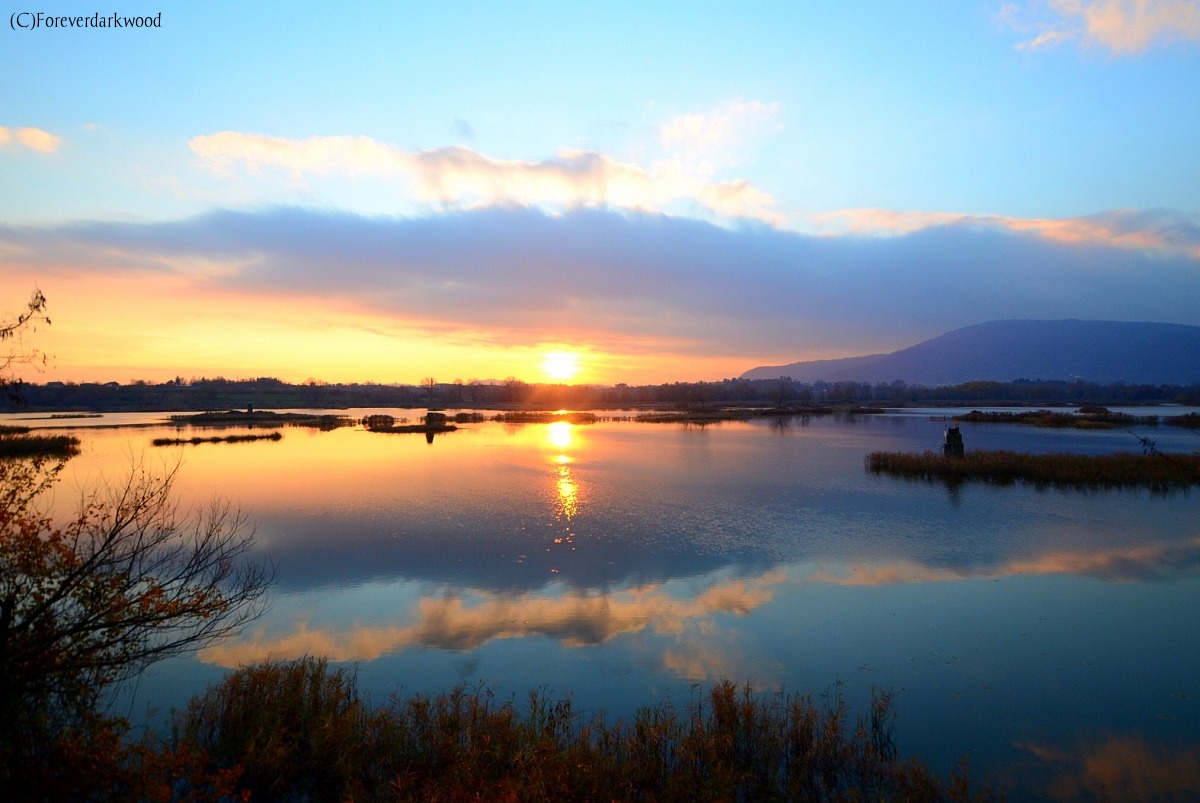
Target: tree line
[[268, 392]]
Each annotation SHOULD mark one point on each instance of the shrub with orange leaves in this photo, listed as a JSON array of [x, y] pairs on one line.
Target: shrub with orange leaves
[[87, 602]]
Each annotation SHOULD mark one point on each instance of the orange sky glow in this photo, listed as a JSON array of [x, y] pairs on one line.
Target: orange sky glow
[[535, 202], [157, 328]]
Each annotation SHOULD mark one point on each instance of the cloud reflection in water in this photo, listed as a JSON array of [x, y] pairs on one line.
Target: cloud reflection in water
[[464, 620]]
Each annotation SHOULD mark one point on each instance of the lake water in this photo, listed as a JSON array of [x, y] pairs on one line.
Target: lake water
[[1048, 636]]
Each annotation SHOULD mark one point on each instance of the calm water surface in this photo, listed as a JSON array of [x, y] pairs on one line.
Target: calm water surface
[[1048, 636]]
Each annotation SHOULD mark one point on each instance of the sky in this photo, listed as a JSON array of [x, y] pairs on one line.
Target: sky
[[593, 192]]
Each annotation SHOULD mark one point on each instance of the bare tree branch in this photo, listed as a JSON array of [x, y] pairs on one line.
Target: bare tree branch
[[35, 311], [131, 579]]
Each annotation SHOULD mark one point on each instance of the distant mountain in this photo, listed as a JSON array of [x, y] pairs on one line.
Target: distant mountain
[[1097, 351]]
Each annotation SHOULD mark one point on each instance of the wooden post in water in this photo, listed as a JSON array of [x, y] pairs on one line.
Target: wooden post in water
[[953, 446]]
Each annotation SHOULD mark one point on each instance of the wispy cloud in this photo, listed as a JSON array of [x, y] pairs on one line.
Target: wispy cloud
[[34, 139], [1152, 231], [712, 139], [1123, 27], [458, 177]]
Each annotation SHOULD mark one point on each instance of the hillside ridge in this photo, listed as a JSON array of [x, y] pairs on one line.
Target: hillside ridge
[[1005, 350]]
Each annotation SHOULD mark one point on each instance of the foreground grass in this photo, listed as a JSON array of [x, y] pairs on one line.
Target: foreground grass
[[1158, 472], [301, 731]]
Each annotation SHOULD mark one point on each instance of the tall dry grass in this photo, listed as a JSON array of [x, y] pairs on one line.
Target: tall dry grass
[[301, 731]]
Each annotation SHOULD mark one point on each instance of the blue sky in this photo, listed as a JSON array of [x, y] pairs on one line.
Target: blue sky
[[911, 146]]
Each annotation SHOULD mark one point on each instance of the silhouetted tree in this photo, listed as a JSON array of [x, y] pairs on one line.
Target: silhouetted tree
[[430, 385], [781, 392], [514, 390], [11, 331], [92, 600]]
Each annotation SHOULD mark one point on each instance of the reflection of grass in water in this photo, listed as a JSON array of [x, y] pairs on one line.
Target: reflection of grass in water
[[1158, 472], [301, 730]]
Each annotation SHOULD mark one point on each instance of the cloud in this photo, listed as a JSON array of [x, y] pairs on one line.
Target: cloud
[[673, 285], [458, 177], [227, 150], [1132, 26], [1123, 27], [710, 138], [464, 130], [34, 139], [1152, 231], [1047, 38]]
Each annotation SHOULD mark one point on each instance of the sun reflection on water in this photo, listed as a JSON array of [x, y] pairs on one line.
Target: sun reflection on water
[[568, 491], [561, 434]]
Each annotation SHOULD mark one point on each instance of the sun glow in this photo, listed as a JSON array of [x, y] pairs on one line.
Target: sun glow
[[560, 435], [560, 366]]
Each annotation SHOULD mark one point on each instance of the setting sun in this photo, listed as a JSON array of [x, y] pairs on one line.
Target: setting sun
[[560, 366]]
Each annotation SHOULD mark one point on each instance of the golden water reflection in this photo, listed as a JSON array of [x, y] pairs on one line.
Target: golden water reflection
[[568, 490], [561, 436]]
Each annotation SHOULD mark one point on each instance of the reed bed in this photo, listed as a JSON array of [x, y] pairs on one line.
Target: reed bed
[[545, 417], [301, 731], [413, 428], [1157, 472], [1188, 420], [262, 418], [387, 424], [325, 423], [17, 445], [1097, 418], [434, 422], [274, 436]]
